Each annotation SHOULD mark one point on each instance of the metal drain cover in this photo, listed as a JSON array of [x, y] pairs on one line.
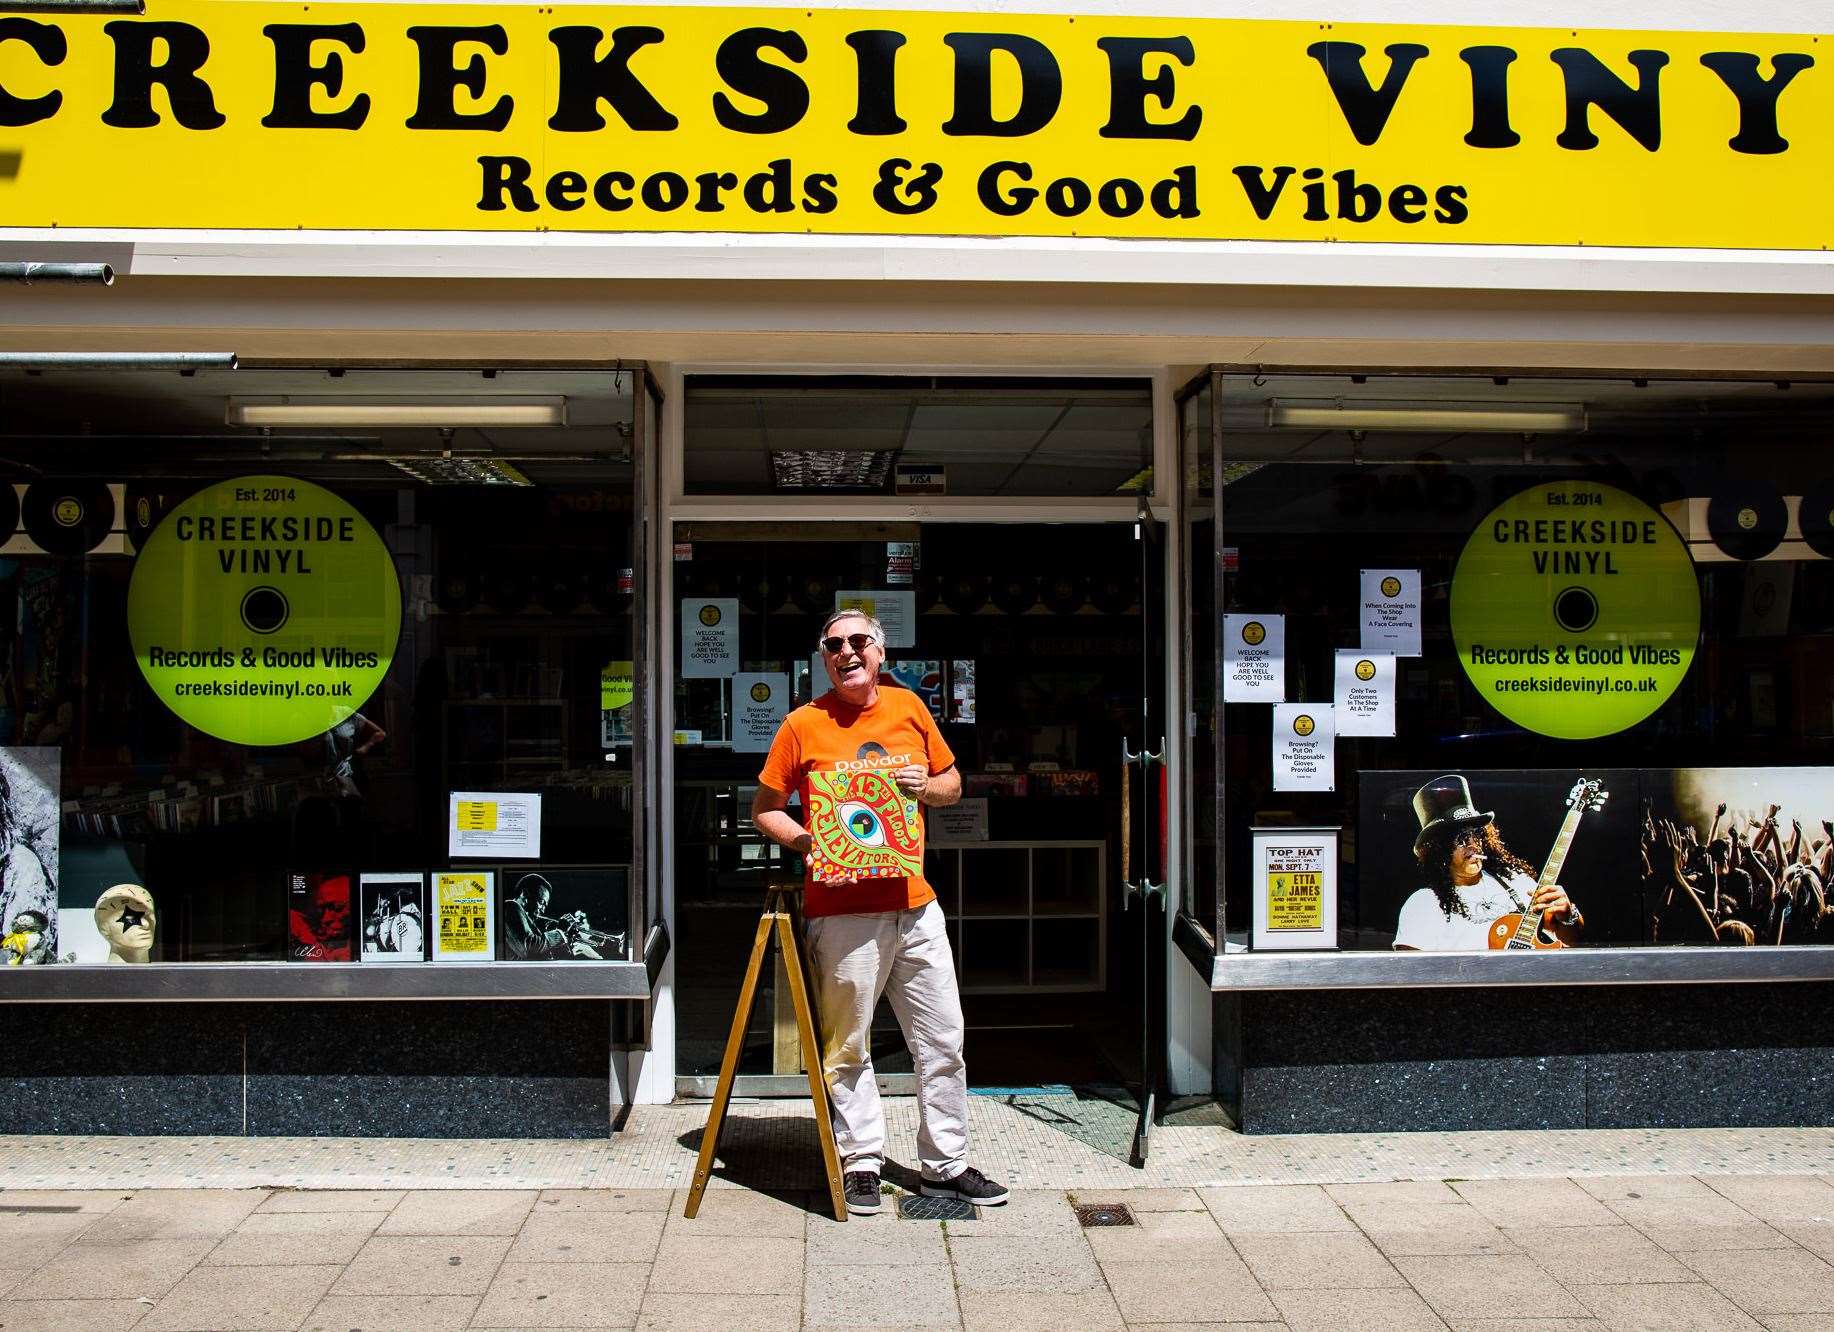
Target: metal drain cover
[[912, 1208], [1104, 1214]]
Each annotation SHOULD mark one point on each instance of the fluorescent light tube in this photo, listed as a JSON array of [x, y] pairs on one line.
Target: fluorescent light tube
[[454, 413], [1526, 418]]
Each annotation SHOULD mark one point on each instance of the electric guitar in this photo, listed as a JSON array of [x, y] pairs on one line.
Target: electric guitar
[[1522, 929]]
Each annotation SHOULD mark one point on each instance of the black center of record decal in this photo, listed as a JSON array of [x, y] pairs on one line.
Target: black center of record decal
[[1576, 609], [265, 609]]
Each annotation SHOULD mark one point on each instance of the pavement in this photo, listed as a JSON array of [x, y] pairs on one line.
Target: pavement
[[1722, 1228]]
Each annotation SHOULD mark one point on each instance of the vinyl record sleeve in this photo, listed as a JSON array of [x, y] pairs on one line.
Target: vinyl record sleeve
[[863, 827], [393, 909], [464, 916]]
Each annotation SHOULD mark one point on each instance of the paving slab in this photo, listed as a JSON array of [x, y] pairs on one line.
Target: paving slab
[[241, 1299], [884, 1240], [94, 1202], [423, 1313], [1465, 1286], [1665, 1308], [604, 1200], [1025, 1266], [127, 1270], [1321, 1260], [1160, 1237], [275, 1239], [752, 1215], [1271, 1208], [1144, 1200], [579, 1236], [333, 1200], [1387, 1310], [175, 1214], [563, 1295], [1538, 1203], [844, 1296], [460, 1212], [728, 1265], [1600, 1255], [424, 1265], [1780, 1200], [670, 1312], [65, 1315], [1011, 1311], [1769, 1281], [1162, 1292]]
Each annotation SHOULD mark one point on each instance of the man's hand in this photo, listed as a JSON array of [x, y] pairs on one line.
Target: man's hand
[[1553, 901], [913, 779]]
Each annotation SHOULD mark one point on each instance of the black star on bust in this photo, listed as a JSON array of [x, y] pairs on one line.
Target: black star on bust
[[131, 919]]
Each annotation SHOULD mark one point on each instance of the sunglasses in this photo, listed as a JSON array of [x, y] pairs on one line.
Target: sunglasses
[[858, 642]]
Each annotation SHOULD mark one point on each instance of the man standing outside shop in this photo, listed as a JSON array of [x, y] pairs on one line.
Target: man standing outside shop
[[876, 935]]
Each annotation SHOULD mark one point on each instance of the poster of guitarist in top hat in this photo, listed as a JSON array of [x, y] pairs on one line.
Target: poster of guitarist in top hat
[[1479, 894]]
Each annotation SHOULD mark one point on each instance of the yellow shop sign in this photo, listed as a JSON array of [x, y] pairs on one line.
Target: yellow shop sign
[[223, 114]]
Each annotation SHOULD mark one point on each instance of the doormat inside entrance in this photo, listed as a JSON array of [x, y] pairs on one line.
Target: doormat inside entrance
[[1102, 1116]]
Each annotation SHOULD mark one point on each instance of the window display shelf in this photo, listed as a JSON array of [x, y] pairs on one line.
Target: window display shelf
[[263, 982], [1673, 965]]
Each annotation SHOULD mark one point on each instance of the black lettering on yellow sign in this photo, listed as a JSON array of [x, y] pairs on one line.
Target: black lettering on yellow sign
[[759, 66]]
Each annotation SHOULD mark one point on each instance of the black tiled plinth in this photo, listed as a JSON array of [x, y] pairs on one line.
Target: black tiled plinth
[[159, 1069], [526, 1069], [1522, 1058], [480, 1069]]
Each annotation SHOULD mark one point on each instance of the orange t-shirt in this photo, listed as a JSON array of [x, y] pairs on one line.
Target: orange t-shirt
[[831, 735]]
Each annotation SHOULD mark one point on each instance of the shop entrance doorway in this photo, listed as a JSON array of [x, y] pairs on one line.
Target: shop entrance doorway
[[1036, 646]]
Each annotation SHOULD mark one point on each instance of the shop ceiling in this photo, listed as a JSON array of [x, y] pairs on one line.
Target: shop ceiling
[[126, 418]]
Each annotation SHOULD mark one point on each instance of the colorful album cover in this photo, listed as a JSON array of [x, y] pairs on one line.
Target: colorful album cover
[[394, 910], [464, 916], [318, 918], [557, 913], [862, 827]]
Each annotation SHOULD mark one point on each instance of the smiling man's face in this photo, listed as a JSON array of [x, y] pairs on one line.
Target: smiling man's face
[[854, 673]]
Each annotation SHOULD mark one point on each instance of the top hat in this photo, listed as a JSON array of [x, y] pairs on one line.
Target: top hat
[[1446, 801]]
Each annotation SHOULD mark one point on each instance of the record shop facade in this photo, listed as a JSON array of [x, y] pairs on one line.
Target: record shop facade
[[1354, 493]]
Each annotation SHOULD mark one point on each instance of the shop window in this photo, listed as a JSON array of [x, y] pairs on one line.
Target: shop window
[[924, 437], [1485, 636], [317, 667]]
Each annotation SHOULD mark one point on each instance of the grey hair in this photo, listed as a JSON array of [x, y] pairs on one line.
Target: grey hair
[[872, 623]]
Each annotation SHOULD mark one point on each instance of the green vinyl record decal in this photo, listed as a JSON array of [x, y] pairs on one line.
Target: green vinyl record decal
[[1575, 609], [264, 610]]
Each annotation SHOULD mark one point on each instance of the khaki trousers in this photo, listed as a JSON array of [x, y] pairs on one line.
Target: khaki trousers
[[905, 956]]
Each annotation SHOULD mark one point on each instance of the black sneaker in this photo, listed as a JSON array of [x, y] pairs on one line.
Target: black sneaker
[[862, 1189], [971, 1186]]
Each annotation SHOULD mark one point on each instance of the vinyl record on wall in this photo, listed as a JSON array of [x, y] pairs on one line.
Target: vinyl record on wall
[[506, 589], [9, 511], [457, 591], [68, 517], [965, 593], [814, 594], [1111, 593], [1063, 593], [1815, 518], [1015, 593], [145, 506], [1746, 519], [755, 592], [558, 591]]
